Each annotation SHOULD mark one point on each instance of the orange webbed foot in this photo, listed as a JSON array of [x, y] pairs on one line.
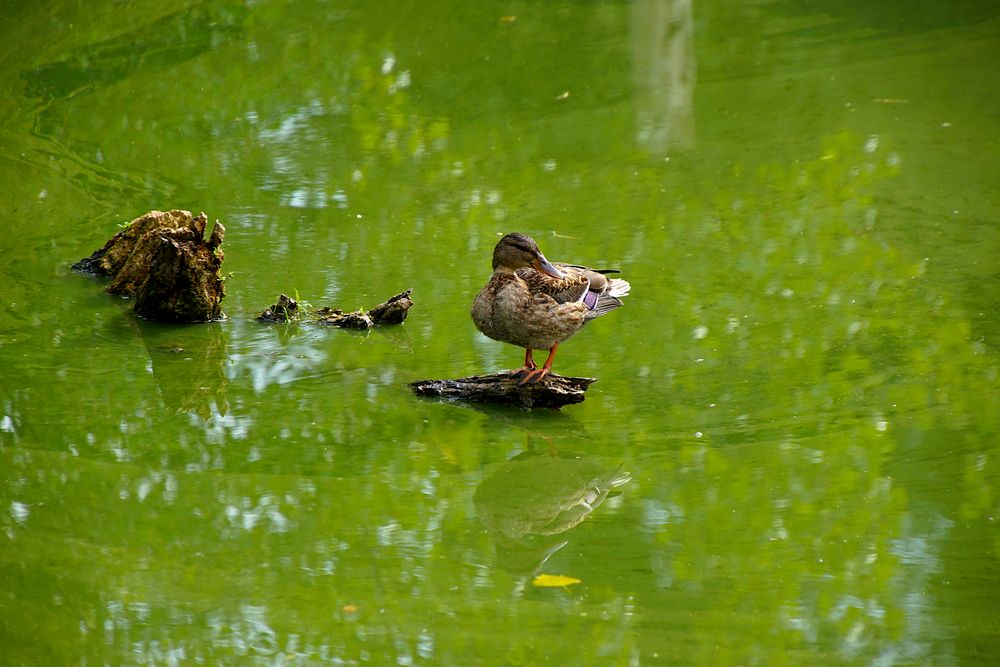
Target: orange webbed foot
[[533, 376]]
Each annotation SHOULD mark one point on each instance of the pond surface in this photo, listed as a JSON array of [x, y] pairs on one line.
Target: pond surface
[[791, 454]]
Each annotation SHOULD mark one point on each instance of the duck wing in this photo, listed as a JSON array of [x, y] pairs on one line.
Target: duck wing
[[591, 287], [573, 287], [603, 293]]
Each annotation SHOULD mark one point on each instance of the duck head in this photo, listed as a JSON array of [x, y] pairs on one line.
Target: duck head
[[516, 251]]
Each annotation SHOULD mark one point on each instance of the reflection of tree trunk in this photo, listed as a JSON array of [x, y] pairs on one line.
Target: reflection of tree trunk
[[190, 369], [664, 67]]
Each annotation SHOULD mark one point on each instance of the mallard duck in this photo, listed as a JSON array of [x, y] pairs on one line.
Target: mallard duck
[[536, 304]]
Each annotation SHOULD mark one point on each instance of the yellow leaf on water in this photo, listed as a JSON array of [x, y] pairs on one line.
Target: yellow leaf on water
[[553, 580]]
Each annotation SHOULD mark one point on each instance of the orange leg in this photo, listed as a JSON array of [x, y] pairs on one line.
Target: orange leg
[[529, 364], [537, 374]]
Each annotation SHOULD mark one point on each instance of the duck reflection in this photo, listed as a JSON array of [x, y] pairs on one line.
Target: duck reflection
[[530, 502]]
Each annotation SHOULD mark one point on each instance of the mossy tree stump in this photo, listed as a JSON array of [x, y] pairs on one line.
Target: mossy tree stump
[[164, 260]]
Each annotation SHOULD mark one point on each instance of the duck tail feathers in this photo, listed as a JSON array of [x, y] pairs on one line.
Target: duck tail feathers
[[605, 304], [618, 287]]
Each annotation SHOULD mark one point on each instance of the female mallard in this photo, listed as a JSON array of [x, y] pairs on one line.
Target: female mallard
[[534, 304]]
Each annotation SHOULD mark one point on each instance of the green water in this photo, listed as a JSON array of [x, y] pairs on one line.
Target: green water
[[803, 384]]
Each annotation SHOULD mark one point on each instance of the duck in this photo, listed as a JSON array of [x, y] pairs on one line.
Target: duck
[[536, 304]]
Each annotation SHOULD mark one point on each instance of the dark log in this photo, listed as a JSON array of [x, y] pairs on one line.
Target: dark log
[[163, 260], [392, 311], [335, 317], [284, 310], [553, 391]]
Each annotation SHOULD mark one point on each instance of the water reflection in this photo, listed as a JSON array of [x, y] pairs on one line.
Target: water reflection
[[664, 74], [529, 503], [190, 372], [160, 45], [552, 425]]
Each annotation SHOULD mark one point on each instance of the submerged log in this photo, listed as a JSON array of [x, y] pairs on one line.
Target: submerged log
[[335, 317], [163, 260], [284, 309], [392, 311], [553, 391]]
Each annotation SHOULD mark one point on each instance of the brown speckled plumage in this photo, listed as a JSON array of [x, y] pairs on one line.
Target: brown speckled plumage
[[526, 304]]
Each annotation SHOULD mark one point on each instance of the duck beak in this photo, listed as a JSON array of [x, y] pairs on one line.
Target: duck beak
[[545, 266]]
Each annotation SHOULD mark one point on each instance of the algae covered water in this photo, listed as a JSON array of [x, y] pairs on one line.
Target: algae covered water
[[790, 454]]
